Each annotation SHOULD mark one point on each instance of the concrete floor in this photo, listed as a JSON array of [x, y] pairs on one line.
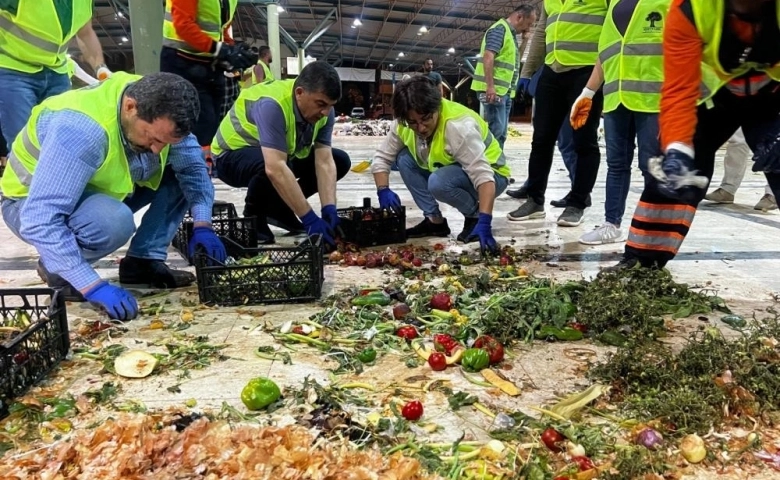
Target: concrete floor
[[729, 245]]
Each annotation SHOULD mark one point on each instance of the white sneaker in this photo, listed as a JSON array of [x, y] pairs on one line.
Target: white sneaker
[[605, 233]]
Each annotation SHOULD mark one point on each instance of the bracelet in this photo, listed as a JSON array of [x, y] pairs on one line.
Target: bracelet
[[382, 187]]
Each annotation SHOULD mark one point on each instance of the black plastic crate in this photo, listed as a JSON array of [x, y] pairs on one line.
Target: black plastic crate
[[226, 223], [291, 275], [369, 226], [31, 354]]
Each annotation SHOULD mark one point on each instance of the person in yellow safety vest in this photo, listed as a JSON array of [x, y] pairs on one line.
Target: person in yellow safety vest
[[498, 68], [262, 71], [630, 66], [445, 153], [34, 38], [721, 72], [291, 121], [90, 158], [197, 45], [572, 37]]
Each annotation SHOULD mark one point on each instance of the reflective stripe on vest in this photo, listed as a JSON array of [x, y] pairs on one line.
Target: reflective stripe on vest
[[506, 64], [438, 156], [572, 31], [237, 130], [708, 16], [209, 21], [33, 37]]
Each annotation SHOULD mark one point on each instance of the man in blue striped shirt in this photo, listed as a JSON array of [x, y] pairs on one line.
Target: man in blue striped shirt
[[86, 161]]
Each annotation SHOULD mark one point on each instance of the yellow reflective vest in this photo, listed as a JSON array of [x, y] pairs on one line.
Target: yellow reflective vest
[[36, 35], [438, 156], [506, 64], [573, 30], [101, 103], [267, 75], [209, 20]]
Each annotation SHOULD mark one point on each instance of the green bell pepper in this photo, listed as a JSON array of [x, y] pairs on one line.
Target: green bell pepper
[[372, 298], [367, 356], [613, 339], [475, 359], [567, 334], [259, 393]]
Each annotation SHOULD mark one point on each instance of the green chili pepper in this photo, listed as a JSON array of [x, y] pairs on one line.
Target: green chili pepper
[[367, 356], [373, 298], [613, 338], [259, 393], [475, 359], [567, 334]]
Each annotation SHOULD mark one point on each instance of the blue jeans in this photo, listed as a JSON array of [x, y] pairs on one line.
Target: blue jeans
[[497, 118], [448, 185], [102, 224], [621, 126], [20, 92]]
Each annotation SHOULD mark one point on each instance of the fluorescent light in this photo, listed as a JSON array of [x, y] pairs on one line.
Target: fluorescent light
[[120, 14], [391, 65], [357, 23], [451, 50], [279, 9], [401, 54], [124, 39], [424, 29]]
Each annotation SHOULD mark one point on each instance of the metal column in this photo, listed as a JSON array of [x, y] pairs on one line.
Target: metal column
[[273, 40], [146, 23]]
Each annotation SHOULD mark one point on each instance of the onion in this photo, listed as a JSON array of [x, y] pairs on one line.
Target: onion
[[575, 449], [692, 448], [649, 438]]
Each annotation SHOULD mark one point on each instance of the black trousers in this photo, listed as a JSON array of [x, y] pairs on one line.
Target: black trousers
[[245, 168], [210, 83], [555, 95], [660, 224]]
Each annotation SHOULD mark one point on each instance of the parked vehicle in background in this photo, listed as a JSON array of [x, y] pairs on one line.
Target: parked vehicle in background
[[358, 113]]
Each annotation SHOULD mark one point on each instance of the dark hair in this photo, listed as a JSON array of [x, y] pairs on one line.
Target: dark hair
[[526, 9], [320, 77], [166, 95], [263, 51], [418, 93]]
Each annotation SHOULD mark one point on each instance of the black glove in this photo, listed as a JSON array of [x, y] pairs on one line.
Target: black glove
[[236, 57]]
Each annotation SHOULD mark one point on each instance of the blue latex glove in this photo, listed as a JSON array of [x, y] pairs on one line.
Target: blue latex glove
[[212, 245], [388, 199], [331, 216], [522, 85], [677, 176], [314, 225], [118, 302], [487, 244]]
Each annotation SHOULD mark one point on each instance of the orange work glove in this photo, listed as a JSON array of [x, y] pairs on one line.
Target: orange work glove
[[103, 73], [581, 108]]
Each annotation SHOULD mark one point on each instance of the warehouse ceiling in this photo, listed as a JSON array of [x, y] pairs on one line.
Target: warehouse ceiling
[[392, 34]]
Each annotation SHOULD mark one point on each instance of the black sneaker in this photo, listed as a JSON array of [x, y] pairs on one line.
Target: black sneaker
[[468, 226], [153, 273], [67, 291], [519, 193], [264, 234], [427, 228], [561, 203]]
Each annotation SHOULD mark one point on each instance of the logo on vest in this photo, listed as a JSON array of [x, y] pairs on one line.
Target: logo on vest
[[655, 22]]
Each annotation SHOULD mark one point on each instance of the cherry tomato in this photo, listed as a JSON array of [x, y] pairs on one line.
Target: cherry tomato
[[437, 361], [412, 410], [407, 332], [443, 342], [492, 346], [551, 439], [583, 463]]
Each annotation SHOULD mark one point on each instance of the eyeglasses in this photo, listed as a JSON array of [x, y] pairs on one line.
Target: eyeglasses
[[423, 119]]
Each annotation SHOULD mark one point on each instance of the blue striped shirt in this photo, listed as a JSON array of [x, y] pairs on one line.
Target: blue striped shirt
[[73, 147]]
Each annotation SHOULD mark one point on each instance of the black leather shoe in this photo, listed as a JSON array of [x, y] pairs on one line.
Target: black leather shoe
[[67, 291], [153, 273], [519, 193], [427, 228], [562, 202], [468, 227]]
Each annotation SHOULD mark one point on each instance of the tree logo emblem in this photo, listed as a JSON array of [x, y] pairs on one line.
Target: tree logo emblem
[[654, 17]]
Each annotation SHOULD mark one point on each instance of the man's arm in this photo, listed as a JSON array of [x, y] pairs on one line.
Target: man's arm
[[596, 77], [536, 50], [73, 146], [90, 46], [186, 160], [494, 42], [464, 143], [271, 124], [683, 51], [385, 155], [185, 21], [324, 165]]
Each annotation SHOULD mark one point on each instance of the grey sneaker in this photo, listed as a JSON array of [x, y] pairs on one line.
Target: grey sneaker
[[767, 202], [571, 217], [720, 196], [527, 211], [604, 233]]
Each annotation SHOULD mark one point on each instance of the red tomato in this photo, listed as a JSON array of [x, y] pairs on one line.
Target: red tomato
[[583, 463], [437, 361], [561, 478], [579, 326], [298, 330], [443, 342], [412, 410], [551, 439], [492, 346], [407, 332]]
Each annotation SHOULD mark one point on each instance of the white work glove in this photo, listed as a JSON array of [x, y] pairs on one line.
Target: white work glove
[[103, 73], [581, 108]]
